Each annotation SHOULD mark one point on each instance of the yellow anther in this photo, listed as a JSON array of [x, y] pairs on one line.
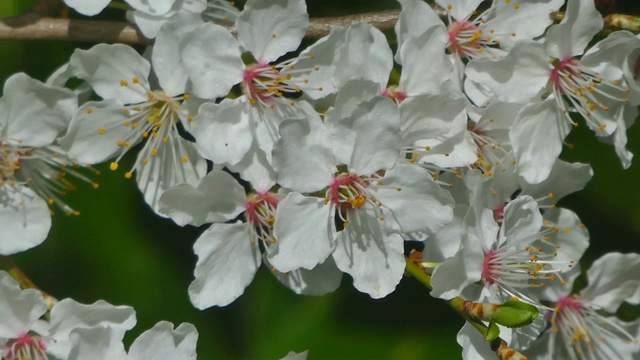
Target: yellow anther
[[145, 134], [113, 166], [124, 83], [154, 152], [516, 6], [449, 7], [135, 125], [50, 201], [190, 117], [185, 158], [101, 131], [145, 161], [128, 175], [95, 185], [120, 143], [165, 139], [150, 95], [136, 79], [89, 111], [550, 195], [273, 36]]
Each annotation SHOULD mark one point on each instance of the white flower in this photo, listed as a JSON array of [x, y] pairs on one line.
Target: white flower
[[130, 113], [579, 327]]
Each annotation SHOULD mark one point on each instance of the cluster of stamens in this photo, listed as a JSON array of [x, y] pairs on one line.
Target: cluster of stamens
[[260, 212], [264, 83], [584, 330], [348, 192], [25, 346], [582, 88]]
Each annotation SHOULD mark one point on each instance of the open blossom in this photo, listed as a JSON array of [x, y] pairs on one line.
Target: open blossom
[[554, 83], [229, 253], [133, 112], [32, 116], [351, 160], [579, 328]]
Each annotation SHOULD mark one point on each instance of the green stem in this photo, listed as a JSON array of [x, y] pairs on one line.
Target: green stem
[[119, 6]]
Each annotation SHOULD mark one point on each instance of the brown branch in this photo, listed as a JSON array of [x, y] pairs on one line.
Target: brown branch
[[34, 27]]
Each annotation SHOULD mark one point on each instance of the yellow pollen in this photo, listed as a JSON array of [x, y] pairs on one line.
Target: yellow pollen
[[164, 139], [145, 161], [128, 175], [550, 195], [124, 83], [136, 79], [95, 185], [601, 127], [185, 158], [150, 95], [449, 7], [516, 6], [113, 166], [186, 96], [120, 142], [127, 123], [101, 131], [89, 110], [135, 125], [274, 36], [154, 152], [50, 201]]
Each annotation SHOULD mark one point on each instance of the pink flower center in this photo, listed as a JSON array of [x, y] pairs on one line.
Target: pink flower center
[[563, 67], [347, 191], [260, 208], [464, 38], [26, 346], [487, 267]]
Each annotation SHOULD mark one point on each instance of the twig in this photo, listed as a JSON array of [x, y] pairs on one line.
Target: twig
[[34, 27]]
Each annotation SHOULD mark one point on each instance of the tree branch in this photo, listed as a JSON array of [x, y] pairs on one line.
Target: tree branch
[[34, 27]]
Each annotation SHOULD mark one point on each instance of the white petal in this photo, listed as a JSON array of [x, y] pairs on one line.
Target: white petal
[[163, 341], [414, 20], [33, 113], [455, 274], [256, 169], [460, 9], [18, 308], [537, 136], [374, 259], [25, 219], [96, 344], [154, 7], [111, 70], [580, 23], [564, 179], [218, 197], [227, 262], [522, 218], [420, 204], [169, 169], [518, 77], [303, 156], [613, 280], [321, 280], [223, 131], [271, 28], [211, 56], [428, 48], [68, 315], [87, 7], [85, 142], [304, 230]]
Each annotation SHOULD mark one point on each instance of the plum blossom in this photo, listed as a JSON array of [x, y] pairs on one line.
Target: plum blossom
[[131, 113]]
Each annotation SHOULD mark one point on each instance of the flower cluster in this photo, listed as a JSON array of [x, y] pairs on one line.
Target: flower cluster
[[313, 162]]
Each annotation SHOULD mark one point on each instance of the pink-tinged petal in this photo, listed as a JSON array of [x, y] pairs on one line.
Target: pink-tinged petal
[[580, 24], [114, 71], [211, 56], [321, 280], [304, 230], [373, 258], [163, 341], [33, 113], [227, 263], [613, 280], [69, 315], [19, 309], [537, 136], [412, 201], [223, 131], [303, 157], [87, 7], [217, 197], [518, 77], [25, 219], [415, 19], [271, 28]]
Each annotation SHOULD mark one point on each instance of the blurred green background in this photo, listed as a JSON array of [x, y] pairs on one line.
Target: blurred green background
[[119, 251]]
